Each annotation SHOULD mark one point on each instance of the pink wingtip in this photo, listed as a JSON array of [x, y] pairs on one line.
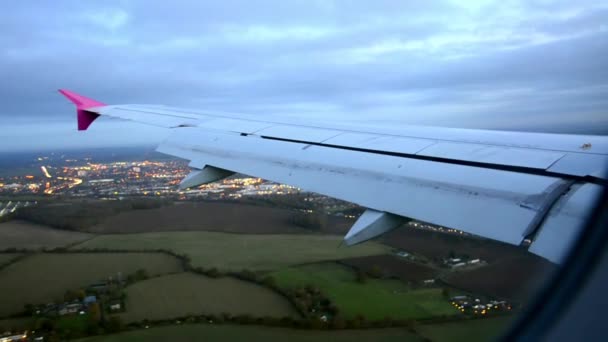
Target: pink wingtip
[[85, 118]]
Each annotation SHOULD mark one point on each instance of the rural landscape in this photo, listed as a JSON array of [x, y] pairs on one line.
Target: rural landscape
[[262, 266]]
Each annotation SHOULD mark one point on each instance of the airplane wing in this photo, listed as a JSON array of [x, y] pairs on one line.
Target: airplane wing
[[529, 189]]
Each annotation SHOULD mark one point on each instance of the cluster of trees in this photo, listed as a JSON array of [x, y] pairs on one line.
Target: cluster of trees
[[94, 324], [375, 272], [139, 275], [337, 322]]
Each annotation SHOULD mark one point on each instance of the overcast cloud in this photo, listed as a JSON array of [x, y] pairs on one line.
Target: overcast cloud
[[525, 65]]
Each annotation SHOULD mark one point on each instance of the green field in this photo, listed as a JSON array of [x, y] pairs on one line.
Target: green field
[[76, 324], [182, 294], [238, 251], [204, 332], [5, 258], [45, 277], [479, 330], [20, 234], [375, 299]]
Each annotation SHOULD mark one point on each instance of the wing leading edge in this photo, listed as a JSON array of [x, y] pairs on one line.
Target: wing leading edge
[[507, 186]]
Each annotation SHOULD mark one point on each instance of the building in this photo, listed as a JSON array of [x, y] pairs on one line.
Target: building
[[68, 309], [115, 305], [88, 300]]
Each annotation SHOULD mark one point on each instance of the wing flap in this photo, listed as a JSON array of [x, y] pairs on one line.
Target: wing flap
[[565, 221], [582, 165], [476, 200], [298, 133], [496, 155], [377, 142]]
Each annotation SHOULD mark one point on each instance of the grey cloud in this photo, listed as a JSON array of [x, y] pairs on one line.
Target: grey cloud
[[451, 65]]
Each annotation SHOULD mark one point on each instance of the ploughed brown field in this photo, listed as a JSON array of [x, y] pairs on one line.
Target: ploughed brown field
[[392, 266], [210, 216], [514, 278], [436, 245]]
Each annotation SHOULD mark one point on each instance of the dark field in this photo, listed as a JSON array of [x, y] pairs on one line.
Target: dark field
[[13, 324], [79, 214], [513, 278], [434, 245], [392, 266], [183, 216]]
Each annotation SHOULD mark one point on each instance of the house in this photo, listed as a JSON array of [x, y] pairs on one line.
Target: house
[[88, 300], [49, 309], [115, 305], [68, 309]]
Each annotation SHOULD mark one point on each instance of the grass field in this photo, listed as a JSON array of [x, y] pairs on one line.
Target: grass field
[[76, 324], [41, 278], [20, 234], [5, 258], [239, 251], [208, 332], [181, 294], [479, 330], [375, 299]]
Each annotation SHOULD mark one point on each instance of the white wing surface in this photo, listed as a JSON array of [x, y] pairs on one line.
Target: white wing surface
[[508, 186]]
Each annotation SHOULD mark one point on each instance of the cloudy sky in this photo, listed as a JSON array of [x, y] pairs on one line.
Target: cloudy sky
[[520, 65]]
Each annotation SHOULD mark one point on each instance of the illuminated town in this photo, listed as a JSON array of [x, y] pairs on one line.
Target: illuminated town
[[114, 180]]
